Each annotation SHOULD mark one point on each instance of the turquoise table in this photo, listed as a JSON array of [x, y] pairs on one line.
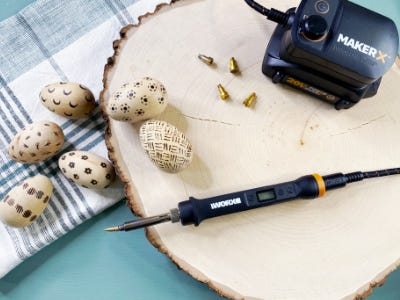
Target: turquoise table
[[89, 263]]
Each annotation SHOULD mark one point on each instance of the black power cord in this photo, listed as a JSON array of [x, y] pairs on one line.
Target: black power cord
[[358, 176], [271, 14]]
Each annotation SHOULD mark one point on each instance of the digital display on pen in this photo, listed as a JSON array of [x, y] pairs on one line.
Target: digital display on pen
[[266, 195]]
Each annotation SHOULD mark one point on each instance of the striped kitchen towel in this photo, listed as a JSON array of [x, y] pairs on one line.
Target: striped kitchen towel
[[51, 41]]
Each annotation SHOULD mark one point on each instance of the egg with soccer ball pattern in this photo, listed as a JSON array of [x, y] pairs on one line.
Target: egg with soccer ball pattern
[[137, 100]]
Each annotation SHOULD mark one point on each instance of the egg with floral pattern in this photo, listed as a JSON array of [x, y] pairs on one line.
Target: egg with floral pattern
[[87, 169], [137, 100]]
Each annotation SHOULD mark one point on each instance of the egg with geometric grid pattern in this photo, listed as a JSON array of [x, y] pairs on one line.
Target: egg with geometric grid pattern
[[166, 146]]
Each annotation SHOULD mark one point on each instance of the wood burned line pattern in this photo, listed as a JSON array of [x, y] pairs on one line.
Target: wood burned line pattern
[[19, 208], [32, 191], [165, 145], [25, 213]]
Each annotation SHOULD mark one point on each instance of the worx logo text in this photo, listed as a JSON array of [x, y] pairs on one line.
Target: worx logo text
[[225, 203]]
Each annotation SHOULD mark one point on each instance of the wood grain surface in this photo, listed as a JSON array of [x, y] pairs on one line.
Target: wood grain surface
[[334, 248]]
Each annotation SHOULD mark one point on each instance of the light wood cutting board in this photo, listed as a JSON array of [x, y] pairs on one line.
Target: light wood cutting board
[[337, 247]]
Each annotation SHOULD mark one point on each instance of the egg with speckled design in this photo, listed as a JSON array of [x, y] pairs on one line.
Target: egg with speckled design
[[37, 142]]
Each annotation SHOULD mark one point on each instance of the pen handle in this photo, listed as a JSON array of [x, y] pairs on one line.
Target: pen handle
[[194, 211]]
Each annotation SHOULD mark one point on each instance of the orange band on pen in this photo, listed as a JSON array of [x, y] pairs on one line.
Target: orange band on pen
[[320, 183]]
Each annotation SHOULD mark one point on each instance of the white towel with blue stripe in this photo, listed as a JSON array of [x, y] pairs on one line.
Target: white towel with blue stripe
[[52, 41]]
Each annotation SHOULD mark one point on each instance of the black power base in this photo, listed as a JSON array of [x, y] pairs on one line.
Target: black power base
[[339, 93]]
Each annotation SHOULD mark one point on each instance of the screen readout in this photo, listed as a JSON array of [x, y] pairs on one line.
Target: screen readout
[[266, 195]]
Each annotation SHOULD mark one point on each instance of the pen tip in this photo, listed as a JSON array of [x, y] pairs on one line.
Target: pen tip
[[115, 228]]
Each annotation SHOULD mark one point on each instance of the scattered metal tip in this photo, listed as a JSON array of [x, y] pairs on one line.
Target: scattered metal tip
[[222, 93], [250, 100], [233, 66], [115, 228], [206, 59]]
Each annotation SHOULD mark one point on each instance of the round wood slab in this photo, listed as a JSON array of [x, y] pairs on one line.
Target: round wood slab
[[337, 247]]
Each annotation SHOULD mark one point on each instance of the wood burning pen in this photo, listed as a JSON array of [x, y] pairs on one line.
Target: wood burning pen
[[194, 211]]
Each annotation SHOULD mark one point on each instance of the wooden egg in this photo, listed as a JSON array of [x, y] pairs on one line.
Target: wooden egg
[[24, 203], [166, 146], [68, 99], [37, 142], [138, 100], [87, 169]]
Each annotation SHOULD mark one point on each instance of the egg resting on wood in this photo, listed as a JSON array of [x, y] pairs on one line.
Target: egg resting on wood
[[166, 146], [137, 100]]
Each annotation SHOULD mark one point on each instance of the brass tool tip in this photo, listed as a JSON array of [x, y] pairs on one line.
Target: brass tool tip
[[222, 93], [206, 59], [233, 66], [249, 100], [115, 228]]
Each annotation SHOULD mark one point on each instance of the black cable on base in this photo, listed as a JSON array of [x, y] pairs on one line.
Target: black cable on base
[[271, 14]]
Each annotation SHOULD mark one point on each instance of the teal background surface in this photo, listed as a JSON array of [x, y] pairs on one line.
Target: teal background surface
[[89, 263]]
